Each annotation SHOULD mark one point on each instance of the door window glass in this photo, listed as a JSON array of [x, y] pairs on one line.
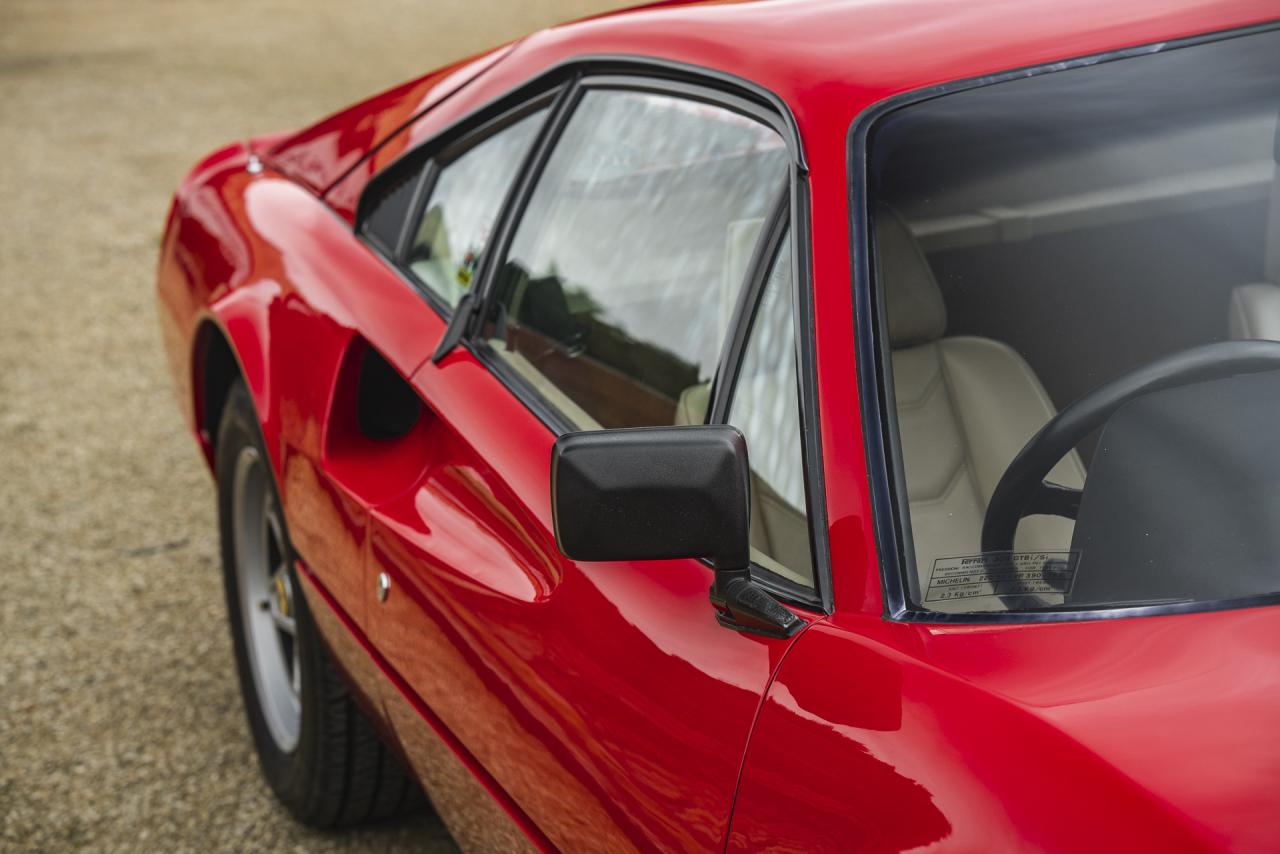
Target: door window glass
[[766, 408], [621, 281]]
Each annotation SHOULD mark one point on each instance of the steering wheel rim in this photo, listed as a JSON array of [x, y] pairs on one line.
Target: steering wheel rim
[[1023, 490]]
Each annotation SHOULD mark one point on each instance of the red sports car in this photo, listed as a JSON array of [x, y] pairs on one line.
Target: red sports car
[[779, 425]]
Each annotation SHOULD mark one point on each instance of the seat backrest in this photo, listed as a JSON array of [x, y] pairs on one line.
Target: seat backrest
[[740, 243], [966, 406], [1253, 312], [692, 406]]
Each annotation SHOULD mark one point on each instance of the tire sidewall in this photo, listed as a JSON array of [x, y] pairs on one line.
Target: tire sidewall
[[289, 774]]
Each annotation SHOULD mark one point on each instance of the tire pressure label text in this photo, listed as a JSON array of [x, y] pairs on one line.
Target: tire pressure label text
[[1002, 574]]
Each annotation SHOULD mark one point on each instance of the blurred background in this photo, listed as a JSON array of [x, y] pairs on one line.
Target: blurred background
[[120, 721]]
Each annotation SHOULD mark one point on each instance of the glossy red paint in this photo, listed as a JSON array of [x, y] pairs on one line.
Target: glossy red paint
[[319, 155], [404, 719], [600, 705], [1137, 734], [487, 620], [574, 684]]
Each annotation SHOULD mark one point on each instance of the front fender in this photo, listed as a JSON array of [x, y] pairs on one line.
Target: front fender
[[243, 318]]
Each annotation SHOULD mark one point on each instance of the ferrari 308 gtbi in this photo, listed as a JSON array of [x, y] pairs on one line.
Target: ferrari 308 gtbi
[[797, 426]]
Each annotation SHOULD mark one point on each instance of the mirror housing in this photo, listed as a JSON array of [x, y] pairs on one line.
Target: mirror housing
[[654, 493], [650, 493]]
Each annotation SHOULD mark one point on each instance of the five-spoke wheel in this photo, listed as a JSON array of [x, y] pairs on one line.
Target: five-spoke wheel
[[266, 598]]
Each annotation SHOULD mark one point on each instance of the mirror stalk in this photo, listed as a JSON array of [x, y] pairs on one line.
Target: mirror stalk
[[459, 325], [742, 605]]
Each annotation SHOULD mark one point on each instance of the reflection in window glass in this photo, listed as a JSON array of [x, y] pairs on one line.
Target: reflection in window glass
[[463, 206], [1039, 238], [622, 277], [766, 408]]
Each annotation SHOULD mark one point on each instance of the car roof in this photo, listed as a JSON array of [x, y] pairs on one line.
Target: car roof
[[826, 59], [807, 50]]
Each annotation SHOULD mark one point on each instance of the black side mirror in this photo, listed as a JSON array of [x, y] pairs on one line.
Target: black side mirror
[[652, 493]]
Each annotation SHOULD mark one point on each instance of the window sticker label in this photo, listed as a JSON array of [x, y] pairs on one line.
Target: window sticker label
[[1002, 574]]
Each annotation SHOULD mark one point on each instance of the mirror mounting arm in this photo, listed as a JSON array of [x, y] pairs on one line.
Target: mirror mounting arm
[[742, 605]]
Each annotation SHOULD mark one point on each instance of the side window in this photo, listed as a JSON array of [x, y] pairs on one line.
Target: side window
[[462, 206], [621, 280], [384, 209], [766, 408]]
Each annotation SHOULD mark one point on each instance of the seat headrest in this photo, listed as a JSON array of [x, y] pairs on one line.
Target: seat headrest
[[913, 301], [1254, 312]]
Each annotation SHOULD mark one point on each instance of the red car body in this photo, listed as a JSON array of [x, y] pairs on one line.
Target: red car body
[[607, 709]]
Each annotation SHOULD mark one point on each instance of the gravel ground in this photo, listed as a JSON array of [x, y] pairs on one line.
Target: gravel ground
[[120, 723]]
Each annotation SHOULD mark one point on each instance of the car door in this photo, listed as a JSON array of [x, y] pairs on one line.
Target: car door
[[602, 700]]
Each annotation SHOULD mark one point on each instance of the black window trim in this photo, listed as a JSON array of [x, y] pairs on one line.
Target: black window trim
[[743, 317], [565, 83], [724, 384], [891, 518], [364, 209]]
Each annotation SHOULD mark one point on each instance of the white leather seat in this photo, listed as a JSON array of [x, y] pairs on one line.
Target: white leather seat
[[1254, 310], [966, 406], [740, 243], [693, 404]]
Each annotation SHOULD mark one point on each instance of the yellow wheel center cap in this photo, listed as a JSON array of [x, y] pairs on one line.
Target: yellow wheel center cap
[[282, 595]]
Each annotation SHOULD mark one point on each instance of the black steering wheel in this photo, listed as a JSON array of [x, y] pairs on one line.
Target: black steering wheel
[[1023, 491]]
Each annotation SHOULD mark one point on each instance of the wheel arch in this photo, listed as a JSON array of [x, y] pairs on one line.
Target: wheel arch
[[214, 369], [229, 344]]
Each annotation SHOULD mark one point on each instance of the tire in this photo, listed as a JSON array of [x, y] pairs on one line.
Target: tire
[[318, 752]]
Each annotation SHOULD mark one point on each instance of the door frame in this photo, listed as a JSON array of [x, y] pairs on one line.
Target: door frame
[[561, 87]]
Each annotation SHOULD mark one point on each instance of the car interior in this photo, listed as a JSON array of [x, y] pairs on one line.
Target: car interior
[[1028, 251], [966, 404]]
